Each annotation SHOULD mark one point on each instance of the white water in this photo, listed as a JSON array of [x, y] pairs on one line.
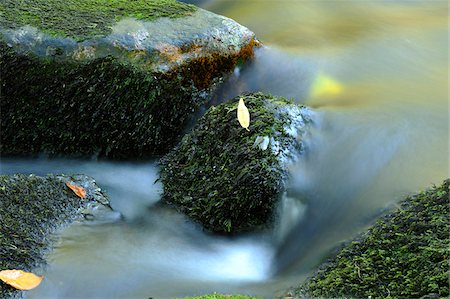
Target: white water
[[148, 253], [384, 136]]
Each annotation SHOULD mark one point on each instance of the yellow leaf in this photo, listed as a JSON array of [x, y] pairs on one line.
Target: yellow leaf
[[325, 86], [243, 115], [79, 191], [20, 280]]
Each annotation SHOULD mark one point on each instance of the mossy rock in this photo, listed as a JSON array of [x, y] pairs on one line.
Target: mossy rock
[[404, 255], [32, 207], [230, 179], [115, 79]]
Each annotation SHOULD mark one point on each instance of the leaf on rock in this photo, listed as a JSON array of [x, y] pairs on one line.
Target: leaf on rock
[[243, 115], [79, 191], [20, 280]]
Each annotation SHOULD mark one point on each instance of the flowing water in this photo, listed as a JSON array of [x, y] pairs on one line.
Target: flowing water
[[380, 132]]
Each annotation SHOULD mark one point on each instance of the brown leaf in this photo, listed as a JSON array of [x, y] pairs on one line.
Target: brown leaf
[[20, 280], [79, 191]]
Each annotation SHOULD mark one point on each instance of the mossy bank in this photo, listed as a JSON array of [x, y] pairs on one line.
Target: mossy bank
[[230, 179], [114, 79], [31, 208], [404, 255], [222, 296]]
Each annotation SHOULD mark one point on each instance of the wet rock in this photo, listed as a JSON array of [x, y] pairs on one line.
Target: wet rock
[[230, 179], [119, 80], [34, 207]]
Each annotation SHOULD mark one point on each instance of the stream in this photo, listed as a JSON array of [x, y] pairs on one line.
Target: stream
[[379, 134]]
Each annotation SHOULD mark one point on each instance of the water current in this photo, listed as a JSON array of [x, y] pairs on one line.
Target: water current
[[380, 132]]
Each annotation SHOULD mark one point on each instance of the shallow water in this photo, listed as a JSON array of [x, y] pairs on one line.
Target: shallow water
[[383, 135]]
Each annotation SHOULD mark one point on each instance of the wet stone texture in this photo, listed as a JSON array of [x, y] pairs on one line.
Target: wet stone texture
[[123, 87], [230, 179], [32, 208]]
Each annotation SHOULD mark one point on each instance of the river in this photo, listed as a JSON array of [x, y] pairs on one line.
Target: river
[[380, 132]]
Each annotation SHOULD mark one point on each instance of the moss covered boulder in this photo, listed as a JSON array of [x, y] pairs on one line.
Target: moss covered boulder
[[230, 179], [32, 207], [110, 78], [404, 255]]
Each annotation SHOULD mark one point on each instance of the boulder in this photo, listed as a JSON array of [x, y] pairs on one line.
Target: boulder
[[230, 179], [114, 79], [32, 208]]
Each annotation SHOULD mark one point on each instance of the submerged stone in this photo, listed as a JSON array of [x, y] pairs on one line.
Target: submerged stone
[[230, 179], [32, 208], [111, 78]]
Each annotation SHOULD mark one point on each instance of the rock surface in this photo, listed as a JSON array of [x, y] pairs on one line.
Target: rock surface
[[109, 78], [404, 255], [32, 208], [230, 179]]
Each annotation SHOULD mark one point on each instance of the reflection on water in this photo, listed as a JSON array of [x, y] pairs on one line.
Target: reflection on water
[[316, 26], [383, 135]]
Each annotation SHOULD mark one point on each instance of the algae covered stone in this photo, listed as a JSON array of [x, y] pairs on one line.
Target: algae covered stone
[[230, 179], [404, 255], [109, 78], [32, 207]]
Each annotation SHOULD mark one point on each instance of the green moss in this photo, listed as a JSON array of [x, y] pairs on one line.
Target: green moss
[[220, 296], [31, 208], [404, 255], [106, 107], [218, 177], [81, 19]]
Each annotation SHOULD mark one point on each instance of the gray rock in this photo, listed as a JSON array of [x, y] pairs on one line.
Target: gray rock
[[126, 91], [161, 45]]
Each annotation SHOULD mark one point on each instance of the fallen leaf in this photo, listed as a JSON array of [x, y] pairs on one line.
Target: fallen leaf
[[243, 115], [79, 191], [20, 280]]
